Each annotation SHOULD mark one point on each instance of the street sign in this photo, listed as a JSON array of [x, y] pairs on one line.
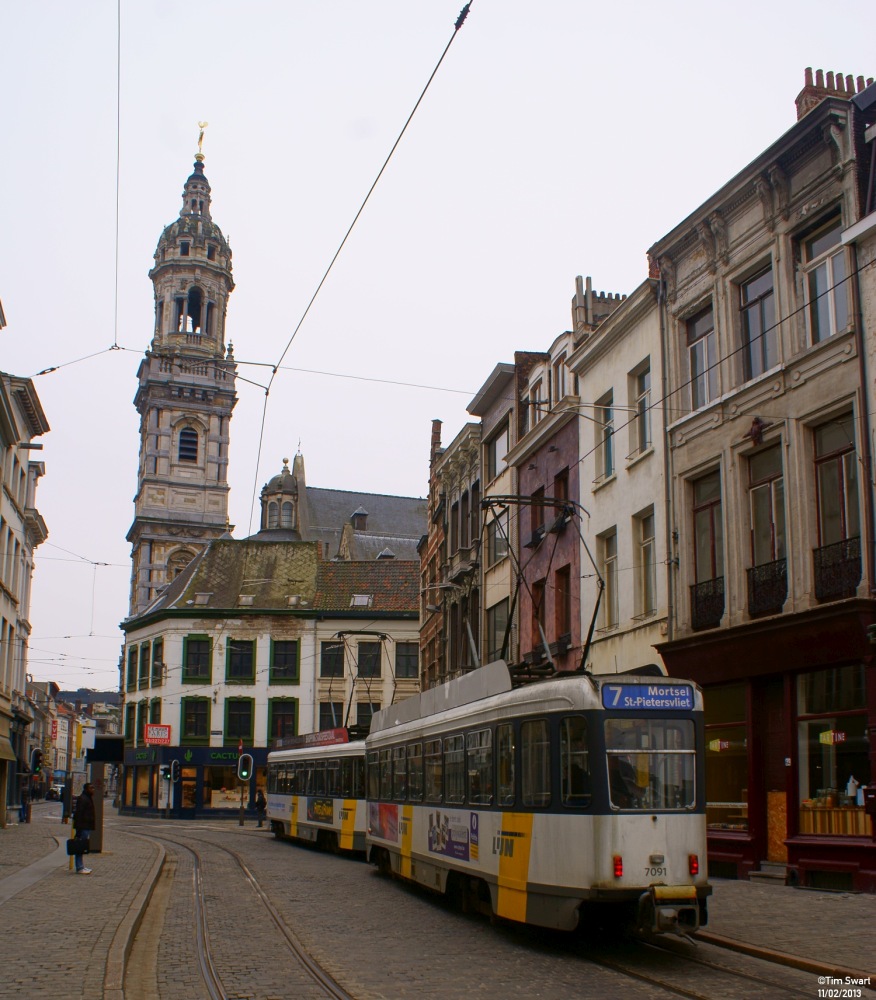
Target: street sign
[[155, 734]]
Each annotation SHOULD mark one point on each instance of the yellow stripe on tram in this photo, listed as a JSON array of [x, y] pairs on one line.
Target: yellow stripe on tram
[[348, 824], [513, 843], [293, 817], [407, 837]]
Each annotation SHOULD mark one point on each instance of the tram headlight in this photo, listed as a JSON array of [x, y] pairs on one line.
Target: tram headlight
[[693, 864], [618, 862]]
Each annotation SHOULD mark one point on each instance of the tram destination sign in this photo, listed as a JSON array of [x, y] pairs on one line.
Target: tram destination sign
[[648, 697]]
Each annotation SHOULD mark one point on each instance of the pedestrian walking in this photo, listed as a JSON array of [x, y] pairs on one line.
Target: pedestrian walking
[[84, 823], [22, 809], [261, 804]]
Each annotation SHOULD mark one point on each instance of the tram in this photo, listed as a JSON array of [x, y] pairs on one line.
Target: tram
[[316, 790], [540, 802]]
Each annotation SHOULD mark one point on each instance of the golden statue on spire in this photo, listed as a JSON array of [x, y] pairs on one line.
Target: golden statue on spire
[[199, 156]]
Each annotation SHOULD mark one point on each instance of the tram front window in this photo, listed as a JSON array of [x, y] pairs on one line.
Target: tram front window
[[650, 763]]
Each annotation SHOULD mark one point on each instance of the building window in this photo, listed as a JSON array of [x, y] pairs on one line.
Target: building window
[[647, 589], [707, 593], [331, 714], [642, 420], [464, 521], [767, 577], [454, 528], [195, 720], [130, 724], [188, 445], [604, 416], [196, 658], [273, 514], [184, 249], [496, 450], [142, 719], [284, 661], [610, 614], [240, 660], [365, 713], [157, 662], [131, 677], [368, 660], [726, 757], [282, 718], [497, 625], [833, 748], [561, 489], [143, 678], [563, 602], [836, 471], [826, 285], [407, 660], [537, 405], [559, 374], [287, 515], [701, 350], [536, 517], [155, 711], [238, 720], [538, 617], [331, 659], [497, 538], [758, 314]]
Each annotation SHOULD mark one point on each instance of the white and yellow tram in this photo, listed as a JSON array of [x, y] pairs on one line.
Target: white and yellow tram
[[316, 790], [534, 802]]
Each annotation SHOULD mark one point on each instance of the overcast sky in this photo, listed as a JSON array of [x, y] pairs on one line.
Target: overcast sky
[[558, 138]]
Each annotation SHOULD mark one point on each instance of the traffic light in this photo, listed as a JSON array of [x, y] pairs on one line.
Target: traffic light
[[36, 762], [244, 766], [174, 771], [165, 772]]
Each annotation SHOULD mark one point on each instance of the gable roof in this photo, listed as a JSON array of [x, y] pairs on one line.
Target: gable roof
[[393, 586]]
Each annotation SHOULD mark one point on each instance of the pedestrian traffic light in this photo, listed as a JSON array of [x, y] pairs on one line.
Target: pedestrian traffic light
[[244, 767], [165, 772], [36, 761], [174, 771]]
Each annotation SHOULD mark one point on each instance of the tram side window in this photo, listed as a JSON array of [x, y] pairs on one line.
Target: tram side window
[[386, 774], [332, 778], [317, 778], [359, 778], [346, 778], [399, 774], [479, 766], [415, 772], [454, 770], [574, 762], [373, 775], [434, 771], [505, 764], [535, 763]]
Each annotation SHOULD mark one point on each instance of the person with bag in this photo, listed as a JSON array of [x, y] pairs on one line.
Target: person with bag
[[261, 804], [84, 823]]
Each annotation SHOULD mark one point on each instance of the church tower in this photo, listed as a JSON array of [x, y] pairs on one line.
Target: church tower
[[185, 398]]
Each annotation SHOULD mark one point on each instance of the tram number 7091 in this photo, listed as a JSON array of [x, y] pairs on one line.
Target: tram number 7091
[[657, 872]]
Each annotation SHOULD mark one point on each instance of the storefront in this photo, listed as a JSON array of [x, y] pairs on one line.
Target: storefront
[[790, 707], [208, 784]]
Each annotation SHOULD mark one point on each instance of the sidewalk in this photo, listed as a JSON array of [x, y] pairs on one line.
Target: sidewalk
[[67, 935], [88, 921]]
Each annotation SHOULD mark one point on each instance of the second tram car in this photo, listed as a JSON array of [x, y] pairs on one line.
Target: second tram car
[[534, 802], [316, 790]]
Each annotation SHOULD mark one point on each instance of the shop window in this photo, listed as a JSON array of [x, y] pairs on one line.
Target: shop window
[[833, 750], [726, 757]]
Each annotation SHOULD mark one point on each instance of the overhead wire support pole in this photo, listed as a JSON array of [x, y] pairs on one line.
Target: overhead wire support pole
[[463, 14]]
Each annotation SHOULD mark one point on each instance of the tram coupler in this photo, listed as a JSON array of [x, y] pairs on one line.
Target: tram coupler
[[669, 909]]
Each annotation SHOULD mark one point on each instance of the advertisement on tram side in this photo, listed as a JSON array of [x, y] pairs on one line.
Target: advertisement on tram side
[[320, 811], [454, 834], [383, 821]]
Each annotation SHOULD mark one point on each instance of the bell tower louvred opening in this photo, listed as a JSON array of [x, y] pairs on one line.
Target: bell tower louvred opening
[[185, 398]]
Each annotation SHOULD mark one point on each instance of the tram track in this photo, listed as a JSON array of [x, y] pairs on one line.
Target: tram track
[[211, 975]]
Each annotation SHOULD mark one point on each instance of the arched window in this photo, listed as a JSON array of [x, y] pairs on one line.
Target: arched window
[[287, 518], [193, 310], [188, 445], [273, 515]]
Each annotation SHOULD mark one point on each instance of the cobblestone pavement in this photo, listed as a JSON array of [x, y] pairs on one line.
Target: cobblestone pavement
[[65, 934]]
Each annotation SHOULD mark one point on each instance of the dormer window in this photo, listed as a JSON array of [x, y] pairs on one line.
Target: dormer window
[[361, 600], [184, 249], [359, 518]]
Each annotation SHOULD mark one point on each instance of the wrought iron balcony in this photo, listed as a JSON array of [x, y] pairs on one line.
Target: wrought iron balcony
[[837, 569], [767, 587], [707, 603]]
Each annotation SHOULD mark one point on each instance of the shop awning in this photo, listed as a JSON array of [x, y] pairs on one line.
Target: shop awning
[[6, 752]]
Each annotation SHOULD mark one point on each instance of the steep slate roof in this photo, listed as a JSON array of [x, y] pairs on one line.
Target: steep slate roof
[[392, 585], [391, 519]]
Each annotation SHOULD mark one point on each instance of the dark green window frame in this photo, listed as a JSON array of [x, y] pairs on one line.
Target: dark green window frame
[[131, 676], [143, 672], [130, 724], [237, 652], [189, 708], [193, 656], [278, 710], [234, 729], [285, 661], [142, 719], [157, 662], [155, 710]]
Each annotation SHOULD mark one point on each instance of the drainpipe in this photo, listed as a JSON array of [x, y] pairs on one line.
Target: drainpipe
[[667, 466]]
